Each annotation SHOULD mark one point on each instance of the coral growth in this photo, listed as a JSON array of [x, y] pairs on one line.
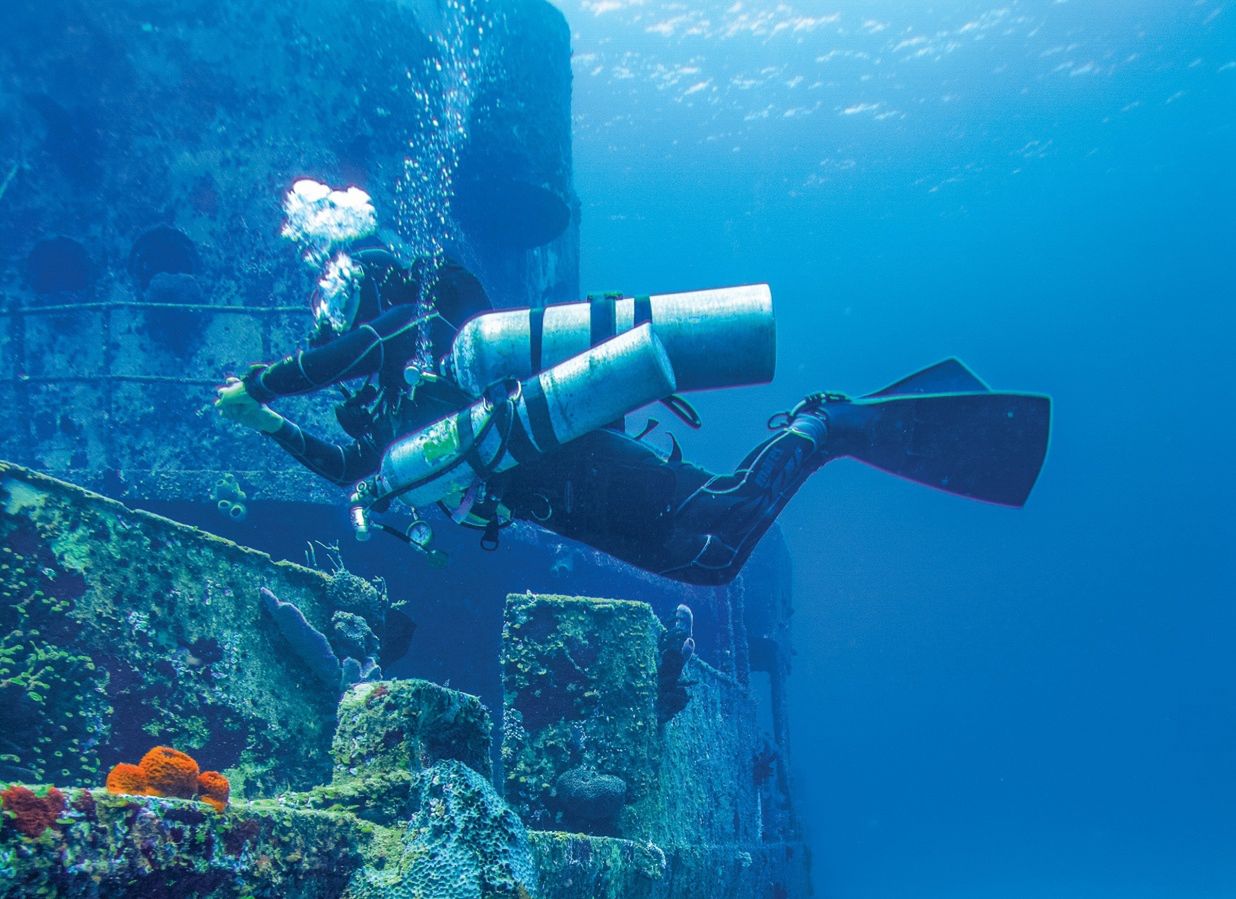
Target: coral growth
[[229, 498], [589, 800], [29, 813], [126, 778], [164, 771], [213, 789], [353, 636], [107, 845], [53, 704], [170, 772], [119, 631], [312, 647], [573, 665], [402, 725], [349, 593], [676, 648], [461, 842]]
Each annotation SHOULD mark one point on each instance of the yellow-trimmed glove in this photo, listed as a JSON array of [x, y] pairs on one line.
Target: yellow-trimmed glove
[[234, 403]]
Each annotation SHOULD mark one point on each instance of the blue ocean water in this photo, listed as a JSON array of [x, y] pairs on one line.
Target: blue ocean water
[[986, 702]]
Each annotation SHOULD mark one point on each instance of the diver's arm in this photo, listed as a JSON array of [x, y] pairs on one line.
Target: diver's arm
[[338, 464], [362, 352]]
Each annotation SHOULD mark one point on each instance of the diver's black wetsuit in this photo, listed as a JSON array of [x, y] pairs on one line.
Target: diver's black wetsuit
[[606, 489], [667, 516]]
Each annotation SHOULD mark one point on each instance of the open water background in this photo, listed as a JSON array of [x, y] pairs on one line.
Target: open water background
[[1035, 703]]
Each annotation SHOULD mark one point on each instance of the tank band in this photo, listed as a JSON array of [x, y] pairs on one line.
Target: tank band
[[603, 320], [519, 444], [643, 310], [536, 335], [538, 415]]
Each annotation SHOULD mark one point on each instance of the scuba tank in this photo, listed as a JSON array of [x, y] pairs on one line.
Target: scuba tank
[[714, 338], [519, 421]]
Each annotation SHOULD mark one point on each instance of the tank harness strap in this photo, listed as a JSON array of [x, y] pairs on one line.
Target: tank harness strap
[[538, 415], [522, 448], [603, 325], [602, 317], [643, 310], [536, 335], [502, 418], [469, 454], [467, 437]]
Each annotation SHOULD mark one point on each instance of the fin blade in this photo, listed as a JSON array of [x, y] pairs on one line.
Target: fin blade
[[949, 376], [987, 446]]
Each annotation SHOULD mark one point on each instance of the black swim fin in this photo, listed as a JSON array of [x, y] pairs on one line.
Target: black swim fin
[[949, 376], [945, 428]]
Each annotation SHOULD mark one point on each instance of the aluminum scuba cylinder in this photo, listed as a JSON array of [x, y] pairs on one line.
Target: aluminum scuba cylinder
[[531, 418], [714, 338]]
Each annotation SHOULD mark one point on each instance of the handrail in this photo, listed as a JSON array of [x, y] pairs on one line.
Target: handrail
[[137, 379], [135, 304]]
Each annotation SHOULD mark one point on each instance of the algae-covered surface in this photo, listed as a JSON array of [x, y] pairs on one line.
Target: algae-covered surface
[[103, 844], [122, 630], [577, 865], [125, 630], [393, 727], [580, 688]]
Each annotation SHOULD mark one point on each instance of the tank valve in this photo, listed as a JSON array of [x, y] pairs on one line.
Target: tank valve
[[358, 511]]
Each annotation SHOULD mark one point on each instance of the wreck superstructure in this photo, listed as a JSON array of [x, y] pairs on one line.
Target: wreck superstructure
[[141, 262]]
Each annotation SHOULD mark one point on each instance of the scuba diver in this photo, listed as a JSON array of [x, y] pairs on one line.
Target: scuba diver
[[517, 414]]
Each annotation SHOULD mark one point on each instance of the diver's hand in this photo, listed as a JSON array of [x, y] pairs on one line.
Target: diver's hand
[[234, 403]]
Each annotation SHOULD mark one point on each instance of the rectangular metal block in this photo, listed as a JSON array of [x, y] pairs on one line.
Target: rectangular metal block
[[580, 692], [579, 689]]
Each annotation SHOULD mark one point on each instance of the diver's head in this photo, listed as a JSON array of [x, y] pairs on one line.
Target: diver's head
[[364, 271], [357, 286], [331, 228], [336, 299]]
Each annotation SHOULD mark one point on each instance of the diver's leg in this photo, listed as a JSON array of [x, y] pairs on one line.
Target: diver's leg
[[668, 517], [941, 427], [719, 523], [611, 492]]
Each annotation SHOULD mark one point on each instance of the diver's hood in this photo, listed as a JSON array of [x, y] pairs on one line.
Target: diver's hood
[[336, 300], [357, 286]]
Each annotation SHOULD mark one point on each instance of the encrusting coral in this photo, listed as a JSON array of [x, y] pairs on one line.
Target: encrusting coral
[[315, 650], [164, 771], [30, 813]]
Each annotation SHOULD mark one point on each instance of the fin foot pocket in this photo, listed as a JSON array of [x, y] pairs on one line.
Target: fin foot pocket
[[945, 428]]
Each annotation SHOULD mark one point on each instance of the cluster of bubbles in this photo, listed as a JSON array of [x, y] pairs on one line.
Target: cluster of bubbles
[[322, 222], [318, 219], [443, 90]]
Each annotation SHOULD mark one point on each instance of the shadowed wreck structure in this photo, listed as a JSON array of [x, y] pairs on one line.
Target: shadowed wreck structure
[[509, 737]]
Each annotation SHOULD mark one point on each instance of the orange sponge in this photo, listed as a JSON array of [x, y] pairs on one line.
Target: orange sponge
[[213, 789], [170, 772], [126, 778]]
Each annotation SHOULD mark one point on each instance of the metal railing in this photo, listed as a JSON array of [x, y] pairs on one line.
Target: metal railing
[[96, 414]]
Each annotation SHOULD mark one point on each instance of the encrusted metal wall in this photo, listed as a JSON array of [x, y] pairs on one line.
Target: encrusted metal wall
[[148, 150]]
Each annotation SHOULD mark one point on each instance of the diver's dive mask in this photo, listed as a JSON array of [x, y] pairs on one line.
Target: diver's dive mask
[[336, 299]]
